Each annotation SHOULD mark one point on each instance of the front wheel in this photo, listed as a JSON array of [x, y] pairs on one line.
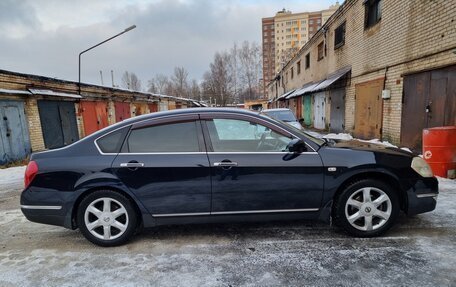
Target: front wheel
[[106, 218], [366, 208]]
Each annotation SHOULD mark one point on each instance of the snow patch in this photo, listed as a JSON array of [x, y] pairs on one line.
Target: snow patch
[[339, 136], [11, 177], [446, 183], [314, 134]]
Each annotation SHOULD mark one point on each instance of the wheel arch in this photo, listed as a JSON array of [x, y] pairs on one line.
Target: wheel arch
[[83, 194], [385, 177]]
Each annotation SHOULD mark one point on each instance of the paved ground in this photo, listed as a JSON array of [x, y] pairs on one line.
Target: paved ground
[[419, 251]]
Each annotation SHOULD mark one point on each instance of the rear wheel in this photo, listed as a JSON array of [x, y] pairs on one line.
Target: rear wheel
[[366, 208], [106, 218]]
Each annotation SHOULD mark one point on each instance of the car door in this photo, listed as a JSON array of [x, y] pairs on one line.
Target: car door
[[164, 163], [252, 171]]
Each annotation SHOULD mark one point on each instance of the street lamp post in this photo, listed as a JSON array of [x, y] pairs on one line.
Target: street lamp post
[[94, 46]]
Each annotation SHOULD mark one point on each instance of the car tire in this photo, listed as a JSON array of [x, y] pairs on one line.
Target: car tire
[[107, 218], [366, 208]]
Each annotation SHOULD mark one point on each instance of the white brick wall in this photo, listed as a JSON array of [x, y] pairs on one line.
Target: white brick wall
[[408, 31]]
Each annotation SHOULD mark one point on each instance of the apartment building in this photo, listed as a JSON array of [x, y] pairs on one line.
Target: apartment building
[[285, 33], [381, 69], [268, 49]]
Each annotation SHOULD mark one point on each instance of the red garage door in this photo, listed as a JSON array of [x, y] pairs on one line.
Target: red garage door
[[122, 111], [95, 116], [153, 107]]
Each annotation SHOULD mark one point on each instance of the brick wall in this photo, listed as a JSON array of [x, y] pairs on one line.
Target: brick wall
[[34, 125], [411, 36], [79, 120]]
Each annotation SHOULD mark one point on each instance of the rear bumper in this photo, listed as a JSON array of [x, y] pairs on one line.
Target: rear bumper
[[47, 207], [422, 197], [44, 214]]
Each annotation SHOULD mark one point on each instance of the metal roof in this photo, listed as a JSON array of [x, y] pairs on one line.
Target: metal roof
[[284, 95], [307, 88], [45, 92], [321, 85], [14, 92], [332, 78]]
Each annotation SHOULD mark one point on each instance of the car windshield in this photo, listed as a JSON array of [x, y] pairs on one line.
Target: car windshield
[[316, 140], [283, 115]]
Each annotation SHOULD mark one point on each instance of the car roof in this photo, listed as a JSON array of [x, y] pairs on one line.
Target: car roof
[[190, 111], [175, 112], [279, 109]]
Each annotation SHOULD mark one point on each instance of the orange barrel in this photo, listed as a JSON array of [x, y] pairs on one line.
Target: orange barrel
[[439, 150]]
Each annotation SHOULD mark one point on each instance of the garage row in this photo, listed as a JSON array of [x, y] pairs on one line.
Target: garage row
[[320, 105], [428, 100], [61, 119]]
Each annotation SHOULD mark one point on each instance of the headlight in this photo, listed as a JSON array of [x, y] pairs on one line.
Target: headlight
[[422, 167]]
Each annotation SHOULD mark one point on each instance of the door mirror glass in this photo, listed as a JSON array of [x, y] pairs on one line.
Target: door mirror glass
[[297, 146]]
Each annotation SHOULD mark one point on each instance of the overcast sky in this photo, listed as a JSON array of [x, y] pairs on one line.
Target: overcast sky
[[44, 37]]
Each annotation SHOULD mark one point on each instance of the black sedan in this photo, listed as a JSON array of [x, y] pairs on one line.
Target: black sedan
[[219, 165]]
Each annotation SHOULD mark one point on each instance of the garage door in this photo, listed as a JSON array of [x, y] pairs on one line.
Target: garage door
[[153, 107], [14, 136], [368, 109], [163, 106], [172, 105], [122, 111], [319, 110], [307, 110], [58, 123], [140, 109], [429, 101], [95, 116], [337, 110]]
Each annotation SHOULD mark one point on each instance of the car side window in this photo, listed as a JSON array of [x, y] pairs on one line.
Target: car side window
[[175, 137], [112, 142], [230, 135]]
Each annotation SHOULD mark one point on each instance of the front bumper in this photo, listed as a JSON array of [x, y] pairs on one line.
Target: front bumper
[[422, 196]]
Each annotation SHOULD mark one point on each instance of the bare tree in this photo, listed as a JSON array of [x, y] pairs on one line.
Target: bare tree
[[158, 84], [152, 87], [250, 61], [195, 91], [234, 76], [130, 81], [179, 82], [217, 82], [234, 70]]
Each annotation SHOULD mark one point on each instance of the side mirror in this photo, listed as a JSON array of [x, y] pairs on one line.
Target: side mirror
[[301, 121], [296, 146]]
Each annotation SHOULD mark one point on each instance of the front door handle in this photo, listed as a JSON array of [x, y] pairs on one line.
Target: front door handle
[[132, 164], [225, 164]]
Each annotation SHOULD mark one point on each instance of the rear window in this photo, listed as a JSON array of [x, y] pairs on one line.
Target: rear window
[[177, 137], [112, 142]]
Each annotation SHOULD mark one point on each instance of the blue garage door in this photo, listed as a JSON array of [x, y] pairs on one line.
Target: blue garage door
[[14, 136]]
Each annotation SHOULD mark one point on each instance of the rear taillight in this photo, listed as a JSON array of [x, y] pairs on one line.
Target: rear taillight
[[30, 172]]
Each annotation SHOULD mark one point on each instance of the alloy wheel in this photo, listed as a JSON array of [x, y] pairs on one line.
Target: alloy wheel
[[368, 209], [106, 218]]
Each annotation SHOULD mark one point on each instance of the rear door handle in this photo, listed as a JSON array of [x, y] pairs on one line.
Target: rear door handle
[[132, 164], [225, 164]]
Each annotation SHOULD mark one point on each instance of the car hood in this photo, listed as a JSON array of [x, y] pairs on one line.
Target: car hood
[[373, 147]]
